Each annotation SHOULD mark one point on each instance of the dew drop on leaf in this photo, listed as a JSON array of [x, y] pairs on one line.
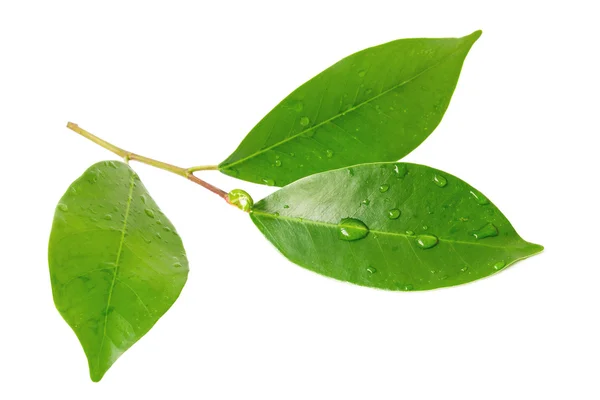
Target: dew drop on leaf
[[410, 233], [440, 180], [268, 181], [297, 106], [384, 188], [362, 73], [426, 241], [241, 199], [304, 121], [499, 265], [329, 153], [149, 212], [108, 217], [351, 229], [278, 163], [400, 170], [144, 198], [371, 270], [366, 202], [394, 213], [63, 207], [479, 198], [286, 206], [488, 230]]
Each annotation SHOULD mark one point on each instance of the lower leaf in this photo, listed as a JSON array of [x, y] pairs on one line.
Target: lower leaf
[[116, 262], [395, 226]]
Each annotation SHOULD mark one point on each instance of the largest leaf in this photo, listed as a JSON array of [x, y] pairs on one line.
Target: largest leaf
[[375, 105], [116, 262], [392, 226]]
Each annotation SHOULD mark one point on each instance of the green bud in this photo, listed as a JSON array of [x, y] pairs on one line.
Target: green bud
[[241, 199]]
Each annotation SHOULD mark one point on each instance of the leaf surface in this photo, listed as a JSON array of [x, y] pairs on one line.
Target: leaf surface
[[375, 105], [395, 226], [116, 262]]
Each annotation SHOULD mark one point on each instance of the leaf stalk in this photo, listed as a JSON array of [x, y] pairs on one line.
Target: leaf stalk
[[127, 155]]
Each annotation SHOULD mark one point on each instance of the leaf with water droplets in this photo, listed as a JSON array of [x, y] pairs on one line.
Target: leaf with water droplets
[[426, 229], [376, 105], [113, 274]]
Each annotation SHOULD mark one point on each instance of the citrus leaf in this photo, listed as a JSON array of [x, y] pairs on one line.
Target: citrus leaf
[[116, 262], [393, 226], [375, 105]]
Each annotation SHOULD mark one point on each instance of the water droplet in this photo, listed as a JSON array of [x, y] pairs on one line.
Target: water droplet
[[268, 181], [144, 199], [92, 176], [108, 217], [276, 214], [304, 121], [297, 106], [371, 270], [410, 233], [488, 230], [384, 188], [369, 91], [158, 235], [278, 163], [286, 206], [400, 170], [440, 180], [351, 171], [394, 213], [329, 153], [63, 207], [479, 198], [241, 199], [464, 269], [408, 287], [177, 265], [149, 212], [425, 227], [499, 265], [362, 73], [350, 229], [426, 241], [292, 154], [366, 202]]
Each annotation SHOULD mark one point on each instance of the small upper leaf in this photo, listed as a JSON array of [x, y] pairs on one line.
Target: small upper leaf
[[393, 226], [116, 262], [375, 105]]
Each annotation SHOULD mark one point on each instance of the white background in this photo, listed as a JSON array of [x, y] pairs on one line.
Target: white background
[[184, 82]]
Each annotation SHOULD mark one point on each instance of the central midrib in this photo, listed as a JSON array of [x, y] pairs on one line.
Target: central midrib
[[340, 114], [384, 233], [116, 269]]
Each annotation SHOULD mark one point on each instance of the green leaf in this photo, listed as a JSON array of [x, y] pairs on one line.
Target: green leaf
[[116, 262], [376, 105], [393, 226]]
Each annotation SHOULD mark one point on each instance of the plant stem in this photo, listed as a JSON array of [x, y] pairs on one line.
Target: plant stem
[[203, 168], [127, 155]]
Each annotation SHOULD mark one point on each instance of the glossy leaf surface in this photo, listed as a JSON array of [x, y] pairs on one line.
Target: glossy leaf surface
[[393, 226], [375, 105], [116, 262]]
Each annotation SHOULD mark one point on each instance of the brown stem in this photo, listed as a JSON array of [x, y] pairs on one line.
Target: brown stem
[[127, 155]]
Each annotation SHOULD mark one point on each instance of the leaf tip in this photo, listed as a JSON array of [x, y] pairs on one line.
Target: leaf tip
[[96, 375], [475, 35]]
